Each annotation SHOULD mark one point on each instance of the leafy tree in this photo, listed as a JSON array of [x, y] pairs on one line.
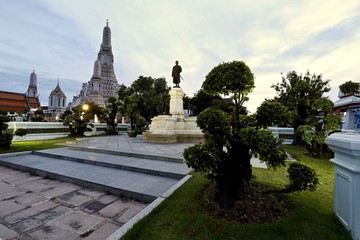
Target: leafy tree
[[110, 119], [229, 142], [271, 113], [202, 100], [39, 116], [298, 93], [153, 94], [79, 118], [130, 107], [349, 88], [319, 125]]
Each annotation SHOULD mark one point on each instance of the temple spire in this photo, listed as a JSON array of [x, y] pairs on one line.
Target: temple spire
[[106, 35]]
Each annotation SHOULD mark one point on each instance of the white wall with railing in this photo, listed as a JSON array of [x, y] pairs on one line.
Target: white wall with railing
[[51, 130]]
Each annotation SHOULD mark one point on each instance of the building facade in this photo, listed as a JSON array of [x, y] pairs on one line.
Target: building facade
[[57, 102]]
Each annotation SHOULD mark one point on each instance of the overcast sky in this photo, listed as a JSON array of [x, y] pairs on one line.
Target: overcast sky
[[62, 38]]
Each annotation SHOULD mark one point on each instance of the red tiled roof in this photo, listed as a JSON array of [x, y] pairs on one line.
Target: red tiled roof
[[17, 102]]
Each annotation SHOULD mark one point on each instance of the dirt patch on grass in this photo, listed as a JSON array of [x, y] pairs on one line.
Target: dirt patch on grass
[[256, 205]]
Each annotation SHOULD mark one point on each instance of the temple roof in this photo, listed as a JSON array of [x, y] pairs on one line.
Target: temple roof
[[57, 91], [350, 100], [17, 102]]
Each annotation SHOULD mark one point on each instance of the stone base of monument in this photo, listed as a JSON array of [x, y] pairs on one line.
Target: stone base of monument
[[174, 128]]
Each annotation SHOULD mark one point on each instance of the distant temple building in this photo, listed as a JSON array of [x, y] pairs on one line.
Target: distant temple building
[[103, 83], [57, 101], [13, 102]]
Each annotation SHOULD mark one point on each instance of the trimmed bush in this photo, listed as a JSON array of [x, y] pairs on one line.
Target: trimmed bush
[[301, 178], [21, 132]]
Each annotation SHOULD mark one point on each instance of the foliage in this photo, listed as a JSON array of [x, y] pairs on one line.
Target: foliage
[[229, 143], [21, 132], [5, 136], [232, 78], [78, 120], [320, 124], [129, 105], [140, 121], [153, 94], [298, 93], [39, 116], [271, 113], [349, 88], [202, 100], [112, 107], [301, 178]]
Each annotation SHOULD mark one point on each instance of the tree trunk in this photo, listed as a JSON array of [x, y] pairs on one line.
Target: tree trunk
[[237, 173]]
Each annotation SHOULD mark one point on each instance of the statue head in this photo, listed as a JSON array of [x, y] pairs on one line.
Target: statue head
[[176, 62]]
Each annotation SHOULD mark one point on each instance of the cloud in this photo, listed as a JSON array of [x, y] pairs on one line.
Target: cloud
[[63, 38]]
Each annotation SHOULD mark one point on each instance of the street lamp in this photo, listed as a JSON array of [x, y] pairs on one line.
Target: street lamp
[[85, 107]]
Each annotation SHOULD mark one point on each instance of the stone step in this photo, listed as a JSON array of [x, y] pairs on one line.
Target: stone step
[[140, 186], [129, 163], [128, 153]]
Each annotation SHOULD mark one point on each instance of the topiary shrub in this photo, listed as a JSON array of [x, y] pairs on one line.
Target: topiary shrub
[[5, 136], [5, 140], [21, 132], [301, 178]]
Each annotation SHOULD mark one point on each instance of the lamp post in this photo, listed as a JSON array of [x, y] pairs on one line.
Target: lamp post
[[85, 107]]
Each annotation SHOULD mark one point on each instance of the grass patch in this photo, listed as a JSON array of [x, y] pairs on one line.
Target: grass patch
[[36, 145], [182, 216]]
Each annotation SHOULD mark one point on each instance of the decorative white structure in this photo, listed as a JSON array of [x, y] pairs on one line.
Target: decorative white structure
[[347, 179], [174, 128]]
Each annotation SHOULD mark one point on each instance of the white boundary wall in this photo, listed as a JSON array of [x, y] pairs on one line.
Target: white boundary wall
[[49, 125]]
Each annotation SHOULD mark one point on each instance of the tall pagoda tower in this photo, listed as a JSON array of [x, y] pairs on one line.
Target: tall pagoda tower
[[108, 83], [103, 83]]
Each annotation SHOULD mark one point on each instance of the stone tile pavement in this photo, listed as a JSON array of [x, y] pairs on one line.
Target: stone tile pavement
[[123, 143], [32, 207]]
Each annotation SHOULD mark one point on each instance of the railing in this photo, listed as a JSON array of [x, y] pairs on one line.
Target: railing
[[51, 130], [287, 134]]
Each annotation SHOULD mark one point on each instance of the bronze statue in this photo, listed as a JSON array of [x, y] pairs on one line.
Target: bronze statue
[[176, 74]]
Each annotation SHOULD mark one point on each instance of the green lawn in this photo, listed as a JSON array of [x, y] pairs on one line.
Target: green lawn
[[36, 145], [182, 216]]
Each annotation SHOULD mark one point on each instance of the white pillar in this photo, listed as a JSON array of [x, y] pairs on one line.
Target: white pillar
[[176, 102], [347, 179]]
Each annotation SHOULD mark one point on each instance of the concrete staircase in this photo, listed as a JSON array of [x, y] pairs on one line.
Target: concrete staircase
[[144, 177]]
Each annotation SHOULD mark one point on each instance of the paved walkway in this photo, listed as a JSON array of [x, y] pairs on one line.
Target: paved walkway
[[123, 143], [32, 207]]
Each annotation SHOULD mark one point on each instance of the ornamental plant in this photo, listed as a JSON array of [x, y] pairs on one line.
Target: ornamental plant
[[230, 139]]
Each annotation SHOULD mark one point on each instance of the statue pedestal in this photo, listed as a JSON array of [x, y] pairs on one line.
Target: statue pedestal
[[176, 101], [174, 128]]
